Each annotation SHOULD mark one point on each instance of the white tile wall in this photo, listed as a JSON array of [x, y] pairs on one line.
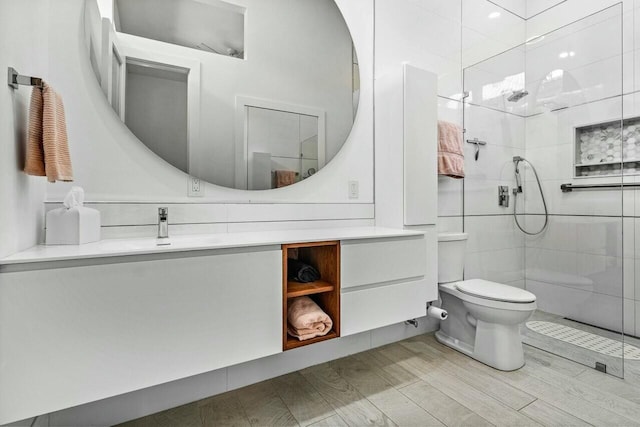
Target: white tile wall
[[125, 220], [495, 127], [490, 80], [585, 234], [517, 7], [425, 34], [488, 30], [535, 7], [492, 233], [502, 266], [449, 197], [450, 224], [584, 305], [571, 11], [481, 197]]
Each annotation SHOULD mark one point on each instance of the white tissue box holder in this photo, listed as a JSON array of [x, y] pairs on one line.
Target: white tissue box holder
[[74, 226]]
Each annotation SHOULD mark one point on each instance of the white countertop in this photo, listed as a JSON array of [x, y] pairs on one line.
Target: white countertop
[[184, 243]]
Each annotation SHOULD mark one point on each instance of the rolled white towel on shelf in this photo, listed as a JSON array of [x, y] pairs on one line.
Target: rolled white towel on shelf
[[306, 319]]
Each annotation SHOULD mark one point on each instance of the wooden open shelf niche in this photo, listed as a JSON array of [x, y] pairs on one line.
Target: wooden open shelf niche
[[325, 257]]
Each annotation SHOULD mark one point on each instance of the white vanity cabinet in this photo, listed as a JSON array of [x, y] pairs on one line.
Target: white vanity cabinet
[[84, 323], [78, 334]]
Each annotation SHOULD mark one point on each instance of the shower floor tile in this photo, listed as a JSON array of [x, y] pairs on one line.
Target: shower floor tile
[[631, 369]]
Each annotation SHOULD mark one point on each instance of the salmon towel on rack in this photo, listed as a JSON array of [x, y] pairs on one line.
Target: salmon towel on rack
[[450, 150], [47, 143]]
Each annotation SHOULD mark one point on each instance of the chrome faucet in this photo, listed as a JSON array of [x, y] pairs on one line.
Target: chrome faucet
[[163, 224]]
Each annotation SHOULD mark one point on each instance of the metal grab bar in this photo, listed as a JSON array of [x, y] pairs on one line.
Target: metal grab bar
[[567, 188]]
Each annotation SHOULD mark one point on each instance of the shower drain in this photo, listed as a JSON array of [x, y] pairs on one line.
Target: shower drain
[[584, 339]]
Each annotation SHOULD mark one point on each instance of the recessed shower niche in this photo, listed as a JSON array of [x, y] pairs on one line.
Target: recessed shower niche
[[604, 149]]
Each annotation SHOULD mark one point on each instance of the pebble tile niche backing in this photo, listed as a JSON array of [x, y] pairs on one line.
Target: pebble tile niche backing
[[600, 151]]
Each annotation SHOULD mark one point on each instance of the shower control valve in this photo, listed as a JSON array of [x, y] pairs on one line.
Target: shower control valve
[[503, 196]]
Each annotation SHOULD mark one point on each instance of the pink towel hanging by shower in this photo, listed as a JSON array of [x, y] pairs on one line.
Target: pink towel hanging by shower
[[450, 150]]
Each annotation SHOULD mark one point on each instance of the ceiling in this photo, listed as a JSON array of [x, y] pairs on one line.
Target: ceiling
[[210, 25], [526, 9]]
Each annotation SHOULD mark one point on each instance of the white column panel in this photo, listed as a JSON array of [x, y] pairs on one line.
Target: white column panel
[[420, 146]]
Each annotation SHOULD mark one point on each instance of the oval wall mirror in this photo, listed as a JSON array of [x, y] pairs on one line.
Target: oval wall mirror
[[247, 94]]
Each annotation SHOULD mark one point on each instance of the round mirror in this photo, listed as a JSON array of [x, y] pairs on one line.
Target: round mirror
[[247, 94]]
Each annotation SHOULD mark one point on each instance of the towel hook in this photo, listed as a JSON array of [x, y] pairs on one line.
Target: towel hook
[[477, 143]]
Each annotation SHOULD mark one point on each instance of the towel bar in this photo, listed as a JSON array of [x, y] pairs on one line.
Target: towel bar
[[14, 79]]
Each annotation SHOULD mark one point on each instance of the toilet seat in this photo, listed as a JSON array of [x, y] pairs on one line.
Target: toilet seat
[[452, 289], [494, 291]]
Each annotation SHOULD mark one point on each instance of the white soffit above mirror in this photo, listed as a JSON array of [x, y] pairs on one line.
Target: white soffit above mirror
[[209, 25]]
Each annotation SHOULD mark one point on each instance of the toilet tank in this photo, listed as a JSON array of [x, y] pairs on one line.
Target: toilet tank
[[451, 248]]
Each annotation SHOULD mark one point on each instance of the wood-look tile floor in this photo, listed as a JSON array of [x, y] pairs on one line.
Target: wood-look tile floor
[[419, 382]]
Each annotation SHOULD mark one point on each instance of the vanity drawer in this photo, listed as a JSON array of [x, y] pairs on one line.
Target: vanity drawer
[[367, 309], [382, 260]]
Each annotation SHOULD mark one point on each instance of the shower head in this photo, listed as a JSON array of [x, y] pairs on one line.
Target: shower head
[[517, 95]]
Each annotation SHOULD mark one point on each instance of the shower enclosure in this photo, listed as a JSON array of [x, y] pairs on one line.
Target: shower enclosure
[[551, 100]]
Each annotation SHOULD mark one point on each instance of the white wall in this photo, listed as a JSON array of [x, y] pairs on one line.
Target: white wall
[[108, 160], [24, 48]]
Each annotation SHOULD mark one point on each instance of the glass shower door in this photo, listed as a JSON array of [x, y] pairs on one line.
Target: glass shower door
[[552, 110]]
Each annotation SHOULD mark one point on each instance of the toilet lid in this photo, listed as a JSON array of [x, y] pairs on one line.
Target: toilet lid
[[494, 291]]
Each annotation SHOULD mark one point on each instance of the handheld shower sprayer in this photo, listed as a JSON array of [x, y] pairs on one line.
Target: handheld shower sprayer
[[518, 189]]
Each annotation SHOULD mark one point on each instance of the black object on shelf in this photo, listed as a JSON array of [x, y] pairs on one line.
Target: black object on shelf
[[301, 272]]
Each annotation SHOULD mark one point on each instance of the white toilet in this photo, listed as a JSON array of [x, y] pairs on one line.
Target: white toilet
[[484, 317]]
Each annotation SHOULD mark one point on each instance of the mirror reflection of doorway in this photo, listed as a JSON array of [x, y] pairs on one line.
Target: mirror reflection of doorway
[[156, 109], [116, 80], [282, 147]]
